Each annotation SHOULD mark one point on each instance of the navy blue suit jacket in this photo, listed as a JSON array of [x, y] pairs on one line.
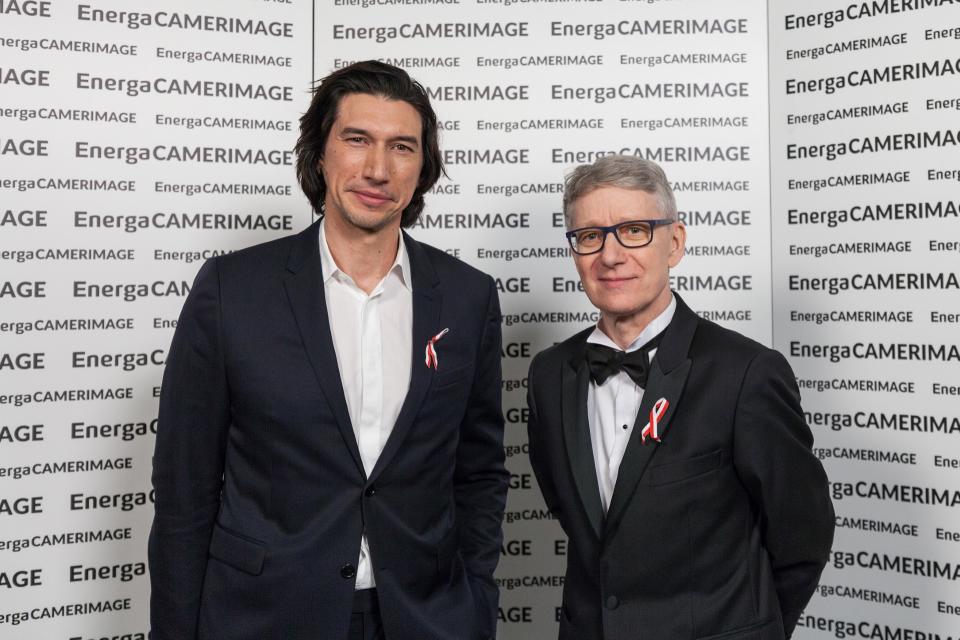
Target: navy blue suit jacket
[[261, 496]]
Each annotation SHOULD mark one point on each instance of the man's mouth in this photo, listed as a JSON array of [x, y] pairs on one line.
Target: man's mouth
[[371, 198], [614, 281]]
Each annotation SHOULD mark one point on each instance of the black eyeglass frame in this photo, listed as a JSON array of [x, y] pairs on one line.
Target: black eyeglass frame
[[653, 224]]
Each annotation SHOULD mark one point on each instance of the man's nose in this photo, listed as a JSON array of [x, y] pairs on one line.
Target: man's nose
[[376, 164], [612, 253]]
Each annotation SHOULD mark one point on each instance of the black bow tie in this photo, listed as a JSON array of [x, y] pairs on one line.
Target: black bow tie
[[605, 362]]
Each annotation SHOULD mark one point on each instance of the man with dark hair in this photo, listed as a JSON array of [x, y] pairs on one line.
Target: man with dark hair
[[329, 460], [673, 451]]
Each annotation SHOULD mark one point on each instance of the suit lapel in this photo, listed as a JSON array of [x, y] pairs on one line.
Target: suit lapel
[[575, 380], [668, 376], [427, 302], [304, 285]]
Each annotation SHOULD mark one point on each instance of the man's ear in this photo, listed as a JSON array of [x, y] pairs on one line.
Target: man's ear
[[678, 243]]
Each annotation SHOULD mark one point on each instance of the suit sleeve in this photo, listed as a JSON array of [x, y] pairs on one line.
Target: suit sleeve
[[480, 479], [773, 457], [188, 461], [541, 468]]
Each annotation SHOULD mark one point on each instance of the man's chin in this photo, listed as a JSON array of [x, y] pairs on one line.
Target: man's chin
[[371, 223], [623, 308], [616, 303]]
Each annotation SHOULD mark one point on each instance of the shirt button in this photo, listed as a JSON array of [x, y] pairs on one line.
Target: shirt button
[[370, 492], [612, 602], [625, 427], [347, 571]]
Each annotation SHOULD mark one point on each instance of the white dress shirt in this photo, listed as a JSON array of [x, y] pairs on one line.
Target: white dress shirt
[[371, 336], [612, 407]]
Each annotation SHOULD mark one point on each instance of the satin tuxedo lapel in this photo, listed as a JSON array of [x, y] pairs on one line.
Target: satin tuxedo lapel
[[668, 376], [426, 316], [575, 380], [304, 285]]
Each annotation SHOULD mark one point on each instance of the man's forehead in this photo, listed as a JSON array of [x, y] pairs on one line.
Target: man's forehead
[[607, 197], [375, 112]]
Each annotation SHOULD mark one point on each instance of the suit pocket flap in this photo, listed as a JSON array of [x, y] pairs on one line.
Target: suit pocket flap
[[684, 469], [237, 551]]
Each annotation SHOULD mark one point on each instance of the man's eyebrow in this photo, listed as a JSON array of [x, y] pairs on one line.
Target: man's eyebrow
[[356, 131]]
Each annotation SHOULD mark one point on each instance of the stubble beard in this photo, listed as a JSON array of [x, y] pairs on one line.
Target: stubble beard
[[368, 224]]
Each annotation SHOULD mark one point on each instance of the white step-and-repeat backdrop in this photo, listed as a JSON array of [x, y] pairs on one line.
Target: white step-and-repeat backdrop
[[812, 147], [865, 181]]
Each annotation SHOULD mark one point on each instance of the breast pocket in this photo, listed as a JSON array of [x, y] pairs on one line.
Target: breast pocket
[[453, 376], [687, 469], [767, 629]]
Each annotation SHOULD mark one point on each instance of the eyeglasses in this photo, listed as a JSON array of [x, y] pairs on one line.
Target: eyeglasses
[[632, 235]]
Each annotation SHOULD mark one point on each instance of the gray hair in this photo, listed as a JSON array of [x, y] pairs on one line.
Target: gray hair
[[626, 172]]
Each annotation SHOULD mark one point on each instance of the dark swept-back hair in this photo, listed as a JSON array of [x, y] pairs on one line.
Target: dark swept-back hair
[[373, 78]]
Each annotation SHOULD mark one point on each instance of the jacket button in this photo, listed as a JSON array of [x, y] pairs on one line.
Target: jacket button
[[612, 602], [371, 490], [347, 571]]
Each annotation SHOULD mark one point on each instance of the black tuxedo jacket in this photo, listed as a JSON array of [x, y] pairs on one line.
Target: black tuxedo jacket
[[719, 531], [261, 496]]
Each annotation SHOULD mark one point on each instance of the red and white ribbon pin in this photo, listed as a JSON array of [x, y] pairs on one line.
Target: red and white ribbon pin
[[656, 413], [431, 357]]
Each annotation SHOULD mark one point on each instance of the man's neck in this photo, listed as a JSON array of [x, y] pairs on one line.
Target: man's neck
[[365, 256], [625, 329]]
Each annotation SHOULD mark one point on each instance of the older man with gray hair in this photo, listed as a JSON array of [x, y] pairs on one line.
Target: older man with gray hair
[[673, 451]]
